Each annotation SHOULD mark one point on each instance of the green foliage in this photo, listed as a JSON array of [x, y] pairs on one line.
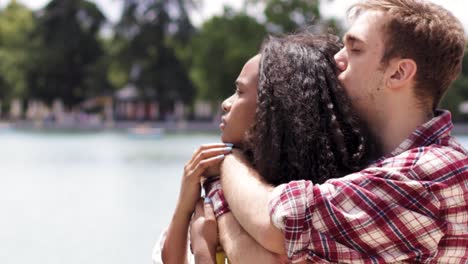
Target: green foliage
[[458, 93], [220, 49], [293, 14], [117, 72], [290, 15], [150, 33], [67, 62], [16, 24], [58, 52]]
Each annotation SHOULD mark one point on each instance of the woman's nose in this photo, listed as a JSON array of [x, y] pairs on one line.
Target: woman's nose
[[226, 105], [341, 60]]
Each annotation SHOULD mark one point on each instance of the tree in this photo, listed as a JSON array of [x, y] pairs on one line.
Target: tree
[[285, 16], [16, 25], [220, 49], [149, 32], [67, 62]]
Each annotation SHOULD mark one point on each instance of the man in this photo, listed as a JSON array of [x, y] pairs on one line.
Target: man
[[399, 58]]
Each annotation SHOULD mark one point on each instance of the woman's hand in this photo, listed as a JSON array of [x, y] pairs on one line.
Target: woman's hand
[[175, 246], [205, 157], [204, 232]]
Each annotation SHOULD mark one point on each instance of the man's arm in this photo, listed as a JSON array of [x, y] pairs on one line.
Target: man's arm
[[248, 197], [381, 213], [239, 246]]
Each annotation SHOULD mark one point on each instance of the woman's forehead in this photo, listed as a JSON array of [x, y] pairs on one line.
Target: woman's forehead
[[250, 70]]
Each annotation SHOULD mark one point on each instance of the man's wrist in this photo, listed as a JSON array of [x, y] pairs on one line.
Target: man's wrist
[[209, 182]]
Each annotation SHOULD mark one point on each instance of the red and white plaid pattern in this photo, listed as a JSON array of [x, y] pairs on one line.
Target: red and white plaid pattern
[[410, 206], [220, 206]]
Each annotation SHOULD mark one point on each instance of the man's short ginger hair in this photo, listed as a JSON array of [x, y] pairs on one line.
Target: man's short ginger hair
[[426, 33]]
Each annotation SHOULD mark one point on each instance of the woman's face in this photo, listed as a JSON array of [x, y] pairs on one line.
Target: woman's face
[[239, 109]]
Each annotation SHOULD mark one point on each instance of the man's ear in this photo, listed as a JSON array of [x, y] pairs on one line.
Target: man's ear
[[403, 72]]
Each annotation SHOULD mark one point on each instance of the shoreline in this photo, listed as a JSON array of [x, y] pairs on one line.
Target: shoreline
[[166, 126]]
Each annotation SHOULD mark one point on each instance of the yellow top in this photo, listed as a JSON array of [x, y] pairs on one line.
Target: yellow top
[[221, 256]]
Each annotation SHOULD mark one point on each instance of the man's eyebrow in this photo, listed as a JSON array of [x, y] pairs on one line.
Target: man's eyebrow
[[350, 38]]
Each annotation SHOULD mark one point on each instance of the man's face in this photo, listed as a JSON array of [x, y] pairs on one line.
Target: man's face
[[361, 72]]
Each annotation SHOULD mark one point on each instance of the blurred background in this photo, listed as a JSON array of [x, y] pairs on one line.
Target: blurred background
[[102, 103]]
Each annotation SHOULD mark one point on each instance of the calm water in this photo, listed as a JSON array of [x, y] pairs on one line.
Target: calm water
[[88, 198]]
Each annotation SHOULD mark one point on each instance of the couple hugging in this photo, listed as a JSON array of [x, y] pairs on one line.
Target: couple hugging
[[335, 154]]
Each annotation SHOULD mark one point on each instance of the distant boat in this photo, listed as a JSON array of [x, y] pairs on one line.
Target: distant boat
[[145, 132]]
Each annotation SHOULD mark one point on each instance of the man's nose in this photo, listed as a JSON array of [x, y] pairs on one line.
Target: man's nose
[[341, 60]]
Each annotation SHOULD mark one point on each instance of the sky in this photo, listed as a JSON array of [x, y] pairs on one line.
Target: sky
[[336, 8]]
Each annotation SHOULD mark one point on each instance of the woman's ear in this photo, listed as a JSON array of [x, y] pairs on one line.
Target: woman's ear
[[404, 71]]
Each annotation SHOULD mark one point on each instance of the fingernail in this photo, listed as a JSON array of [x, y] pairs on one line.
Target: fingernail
[[207, 199], [229, 145], [220, 156], [228, 149]]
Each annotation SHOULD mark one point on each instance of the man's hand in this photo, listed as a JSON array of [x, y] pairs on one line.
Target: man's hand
[[204, 232], [248, 196]]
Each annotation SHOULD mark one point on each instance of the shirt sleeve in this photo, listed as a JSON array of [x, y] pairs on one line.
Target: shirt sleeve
[[215, 193], [378, 213]]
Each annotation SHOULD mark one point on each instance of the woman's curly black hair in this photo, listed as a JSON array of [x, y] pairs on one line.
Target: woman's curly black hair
[[304, 127]]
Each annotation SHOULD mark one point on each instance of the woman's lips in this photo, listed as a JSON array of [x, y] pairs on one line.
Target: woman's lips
[[222, 124]]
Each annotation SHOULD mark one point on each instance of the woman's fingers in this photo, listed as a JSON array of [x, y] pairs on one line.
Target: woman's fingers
[[200, 150], [206, 156], [208, 209], [201, 166], [198, 208], [203, 230], [209, 153], [209, 146], [204, 209]]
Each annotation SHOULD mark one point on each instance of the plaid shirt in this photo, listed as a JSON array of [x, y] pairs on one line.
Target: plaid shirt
[[410, 206]]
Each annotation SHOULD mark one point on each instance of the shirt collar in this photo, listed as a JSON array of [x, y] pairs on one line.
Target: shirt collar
[[427, 134]]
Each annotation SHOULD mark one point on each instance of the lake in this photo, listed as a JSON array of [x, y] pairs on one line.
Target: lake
[[88, 197]]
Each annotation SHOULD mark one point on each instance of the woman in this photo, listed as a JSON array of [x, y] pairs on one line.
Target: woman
[[293, 121], [303, 127]]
